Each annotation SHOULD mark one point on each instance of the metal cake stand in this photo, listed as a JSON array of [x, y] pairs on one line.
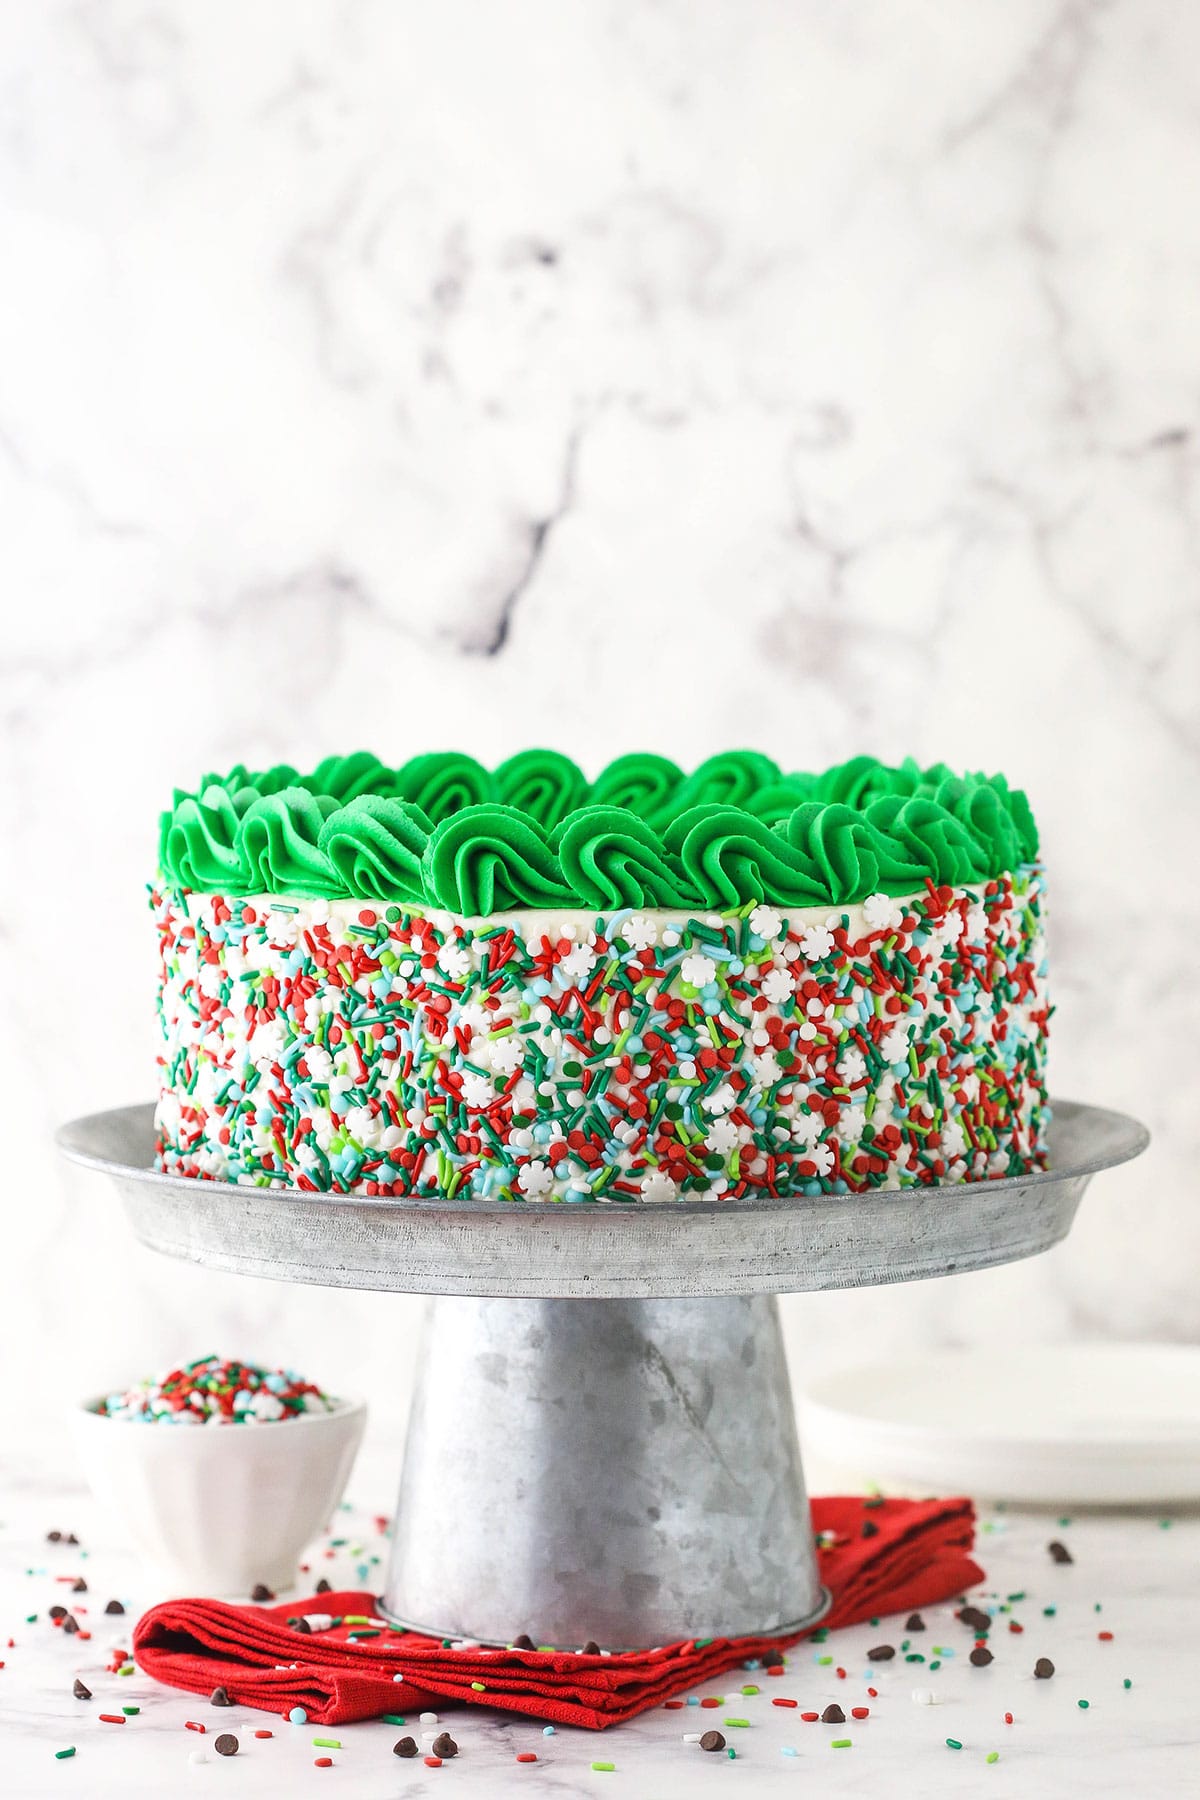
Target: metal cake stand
[[602, 1442]]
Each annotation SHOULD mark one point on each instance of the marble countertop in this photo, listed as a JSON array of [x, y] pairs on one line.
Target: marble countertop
[[1134, 1575]]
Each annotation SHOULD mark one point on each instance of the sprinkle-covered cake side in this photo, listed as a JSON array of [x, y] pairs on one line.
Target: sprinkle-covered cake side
[[620, 1055]]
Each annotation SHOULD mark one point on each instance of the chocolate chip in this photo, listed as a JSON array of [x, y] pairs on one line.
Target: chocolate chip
[[1043, 1668], [114, 1606], [54, 1537], [591, 1648], [226, 1744], [833, 1714], [881, 1653], [444, 1745], [323, 1586], [220, 1697], [70, 1538], [301, 1625], [58, 1612], [978, 1621], [80, 1692], [261, 1591], [405, 1746], [981, 1656], [914, 1622], [524, 1642], [712, 1740], [1059, 1552], [70, 1625], [869, 1529], [80, 1586]]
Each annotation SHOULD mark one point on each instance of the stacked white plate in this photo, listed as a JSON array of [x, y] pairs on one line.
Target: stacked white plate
[[1102, 1424]]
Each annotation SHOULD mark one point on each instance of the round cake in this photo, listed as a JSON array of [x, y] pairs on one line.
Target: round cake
[[515, 985]]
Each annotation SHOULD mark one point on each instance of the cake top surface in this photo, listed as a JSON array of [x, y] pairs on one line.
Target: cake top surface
[[443, 832]]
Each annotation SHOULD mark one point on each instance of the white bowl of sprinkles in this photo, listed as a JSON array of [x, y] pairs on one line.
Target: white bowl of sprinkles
[[220, 1472]]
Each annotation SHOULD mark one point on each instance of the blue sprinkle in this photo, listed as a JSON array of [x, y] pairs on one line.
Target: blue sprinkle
[[788, 1750], [298, 1716], [547, 1731], [693, 1699]]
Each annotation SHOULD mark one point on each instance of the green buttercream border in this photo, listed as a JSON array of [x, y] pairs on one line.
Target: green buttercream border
[[443, 831]]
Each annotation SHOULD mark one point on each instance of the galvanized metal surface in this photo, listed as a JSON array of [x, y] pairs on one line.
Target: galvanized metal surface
[[689, 1248], [626, 1471]]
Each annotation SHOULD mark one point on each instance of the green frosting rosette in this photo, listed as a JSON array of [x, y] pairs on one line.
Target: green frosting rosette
[[611, 859], [376, 849], [443, 831], [491, 859], [279, 845]]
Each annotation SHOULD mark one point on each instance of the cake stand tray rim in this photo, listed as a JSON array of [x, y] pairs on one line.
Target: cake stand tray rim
[[1127, 1136]]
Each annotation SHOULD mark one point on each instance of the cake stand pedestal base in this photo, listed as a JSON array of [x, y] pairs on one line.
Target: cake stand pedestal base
[[622, 1470]]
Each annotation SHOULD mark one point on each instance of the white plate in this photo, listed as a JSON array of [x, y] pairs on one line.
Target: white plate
[[1099, 1424]]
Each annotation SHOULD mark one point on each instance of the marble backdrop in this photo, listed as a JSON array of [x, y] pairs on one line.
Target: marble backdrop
[[817, 374]]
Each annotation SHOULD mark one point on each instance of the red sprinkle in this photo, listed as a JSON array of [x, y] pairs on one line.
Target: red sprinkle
[[193, 1725], [257, 1733], [811, 1718], [1106, 1637], [672, 1705], [326, 1762], [527, 1756], [840, 1673], [433, 1762], [1013, 1626], [860, 1712], [874, 1693], [710, 1700], [1008, 1718], [776, 1669], [780, 1701], [112, 1718]]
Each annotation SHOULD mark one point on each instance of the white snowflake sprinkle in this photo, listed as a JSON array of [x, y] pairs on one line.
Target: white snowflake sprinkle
[[658, 1187], [766, 923], [477, 1090], [639, 932], [698, 970], [881, 912], [535, 1179], [778, 986], [816, 942], [454, 960]]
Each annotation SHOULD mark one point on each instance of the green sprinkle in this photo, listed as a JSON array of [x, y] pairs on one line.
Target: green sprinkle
[[131, 1710], [824, 1661], [737, 1721], [935, 1664], [840, 1743], [392, 1719], [751, 1689], [953, 1744], [328, 1743], [479, 1687], [604, 1766], [1083, 1704], [1127, 1683], [1048, 1612], [60, 1754], [992, 1756]]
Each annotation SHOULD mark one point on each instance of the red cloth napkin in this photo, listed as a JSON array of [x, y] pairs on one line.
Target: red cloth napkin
[[886, 1556]]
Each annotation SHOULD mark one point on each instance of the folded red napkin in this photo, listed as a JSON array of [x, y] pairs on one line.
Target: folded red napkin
[[875, 1557]]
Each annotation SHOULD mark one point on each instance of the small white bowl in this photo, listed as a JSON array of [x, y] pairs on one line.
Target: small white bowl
[[219, 1508]]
